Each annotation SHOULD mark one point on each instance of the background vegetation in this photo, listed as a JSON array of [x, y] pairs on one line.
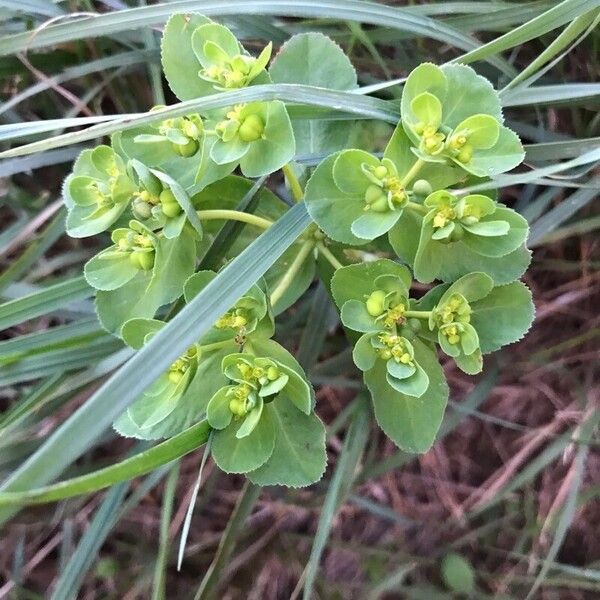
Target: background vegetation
[[511, 486]]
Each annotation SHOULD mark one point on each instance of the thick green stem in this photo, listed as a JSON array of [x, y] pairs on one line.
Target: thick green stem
[[233, 215], [326, 252], [293, 182], [414, 171], [296, 265], [417, 207]]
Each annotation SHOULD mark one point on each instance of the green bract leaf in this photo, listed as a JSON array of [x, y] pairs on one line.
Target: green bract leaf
[[249, 313], [257, 135], [97, 192], [411, 423], [148, 290], [314, 59], [240, 455], [360, 199], [179, 61], [299, 457], [454, 115], [332, 210], [459, 236], [175, 146], [223, 61], [503, 316], [137, 332], [371, 296]]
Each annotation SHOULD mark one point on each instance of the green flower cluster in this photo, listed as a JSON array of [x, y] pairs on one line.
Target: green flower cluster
[[162, 190], [397, 348]]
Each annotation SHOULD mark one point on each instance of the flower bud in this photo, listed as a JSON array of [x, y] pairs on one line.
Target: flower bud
[[422, 187], [251, 128], [141, 209]]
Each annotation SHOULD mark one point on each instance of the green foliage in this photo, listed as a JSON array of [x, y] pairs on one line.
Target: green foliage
[[162, 188]]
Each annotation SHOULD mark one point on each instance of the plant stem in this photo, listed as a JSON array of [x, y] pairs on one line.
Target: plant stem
[[293, 182], [233, 215], [326, 252], [215, 346], [296, 265], [414, 170], [417, 207], [418, 314]]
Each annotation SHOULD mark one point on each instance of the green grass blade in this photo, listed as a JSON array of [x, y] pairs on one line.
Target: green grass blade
[[559, 214], [570, 507], [571, 32], [54, 297], [245, 503], [341, 482], [551, 19], [346, 102], [130, 19], [162, 558], [101, 525], [552, 94]]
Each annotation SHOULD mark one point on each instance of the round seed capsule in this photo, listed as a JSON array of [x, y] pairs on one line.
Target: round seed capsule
[[422, 187], [251, 129], [376, 303], [186, 150]]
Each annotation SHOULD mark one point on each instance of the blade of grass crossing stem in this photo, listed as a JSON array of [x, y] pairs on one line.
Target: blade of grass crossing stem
[[101, 525], [345, 102], [551, 94], [230, 230], [245, 503], [190, 509], [160, 576], [134, 466], [50, 299], [87, 424], [341, 482], [568, 512]]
